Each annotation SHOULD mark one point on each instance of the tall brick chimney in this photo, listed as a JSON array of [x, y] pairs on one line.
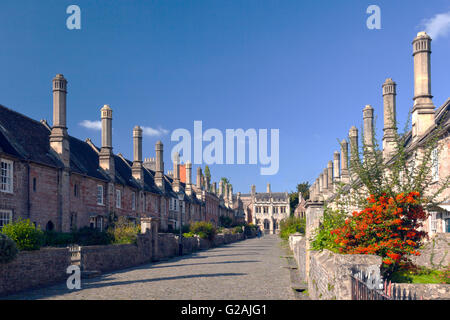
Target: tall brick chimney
[[188, 178], [368, 125], [389, 117], [137, 168], [268, 188], [176, 172], [423, 109], [336, 166], [106, 157], [59, 141], [344, 161], [354, 150], [159, 167]]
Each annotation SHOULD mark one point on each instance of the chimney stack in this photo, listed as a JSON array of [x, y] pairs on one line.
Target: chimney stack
[[176, 172], [106, 157], [423, 109], [220, 188], [214, 188], [321, 188], [354, 150], [325, 180], [368, 126], [188, 178], [268, 188], [253, 189], [159, 172], [389, 117], [344, 161], [336, 166], [59, 141], [137, 168], [330, 175]]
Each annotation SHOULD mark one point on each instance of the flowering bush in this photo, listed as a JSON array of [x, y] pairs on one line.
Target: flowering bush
[[387, 227]]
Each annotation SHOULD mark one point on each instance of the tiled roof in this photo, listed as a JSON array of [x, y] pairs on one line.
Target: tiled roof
[[25, 138]]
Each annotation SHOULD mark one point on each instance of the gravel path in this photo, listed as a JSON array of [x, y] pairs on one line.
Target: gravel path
[[252, 269]]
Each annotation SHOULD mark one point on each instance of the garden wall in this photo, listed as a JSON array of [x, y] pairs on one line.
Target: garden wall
[[426, 291], [32, 269], [329, 274], [116, 256], [297, 243], [48, 265]]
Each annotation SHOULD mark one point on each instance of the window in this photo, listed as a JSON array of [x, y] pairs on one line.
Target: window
[[163, 206], [6, 176], [435, 165], [34, 184], [118, 199], [75, 190], [5, 217], [133, 201], [266, 210], [183, 208], [100, 195], [275, 209], [283, 209]]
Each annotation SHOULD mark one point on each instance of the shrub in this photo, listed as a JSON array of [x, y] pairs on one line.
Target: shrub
[[388, 227], [237, 229], [87, 236], [323, 237], [291, 225], [57, 239], [24, 234], [250, 230], [225, 221], [204, 230], [8, 249], [124, 231], [188, 235]]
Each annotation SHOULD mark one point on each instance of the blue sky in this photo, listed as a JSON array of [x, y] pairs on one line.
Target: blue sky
[[306, 68]]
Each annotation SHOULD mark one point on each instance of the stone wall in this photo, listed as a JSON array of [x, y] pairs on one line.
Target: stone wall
[[426, 291], [32, 269], [329, 274], [117, 256], [168, 245], [48, 265], [297, 243], [435, 254]]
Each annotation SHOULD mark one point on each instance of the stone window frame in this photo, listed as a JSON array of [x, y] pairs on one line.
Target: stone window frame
[[133, 201], [5, 215], [6, 176], [118, 199], [102, 202]]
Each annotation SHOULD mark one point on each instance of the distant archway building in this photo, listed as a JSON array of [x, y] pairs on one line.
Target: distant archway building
[[266, 209]]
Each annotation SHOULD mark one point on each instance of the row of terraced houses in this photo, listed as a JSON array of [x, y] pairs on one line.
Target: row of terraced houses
[[62, 183]]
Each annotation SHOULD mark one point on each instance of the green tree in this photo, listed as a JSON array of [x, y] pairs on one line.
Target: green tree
[[225, 182], [208, 176]]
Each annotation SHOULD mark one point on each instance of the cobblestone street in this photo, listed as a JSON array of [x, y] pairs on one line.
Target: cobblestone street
[[250, 269]]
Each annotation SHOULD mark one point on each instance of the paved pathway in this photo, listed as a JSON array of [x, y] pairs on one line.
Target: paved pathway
[[250, 269]]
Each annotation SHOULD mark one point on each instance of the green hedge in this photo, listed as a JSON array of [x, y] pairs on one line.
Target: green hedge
[[292, 225], [24, 234]]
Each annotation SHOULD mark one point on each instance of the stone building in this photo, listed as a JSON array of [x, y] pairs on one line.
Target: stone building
[[426, 118], [62, 183], [266, 209]]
